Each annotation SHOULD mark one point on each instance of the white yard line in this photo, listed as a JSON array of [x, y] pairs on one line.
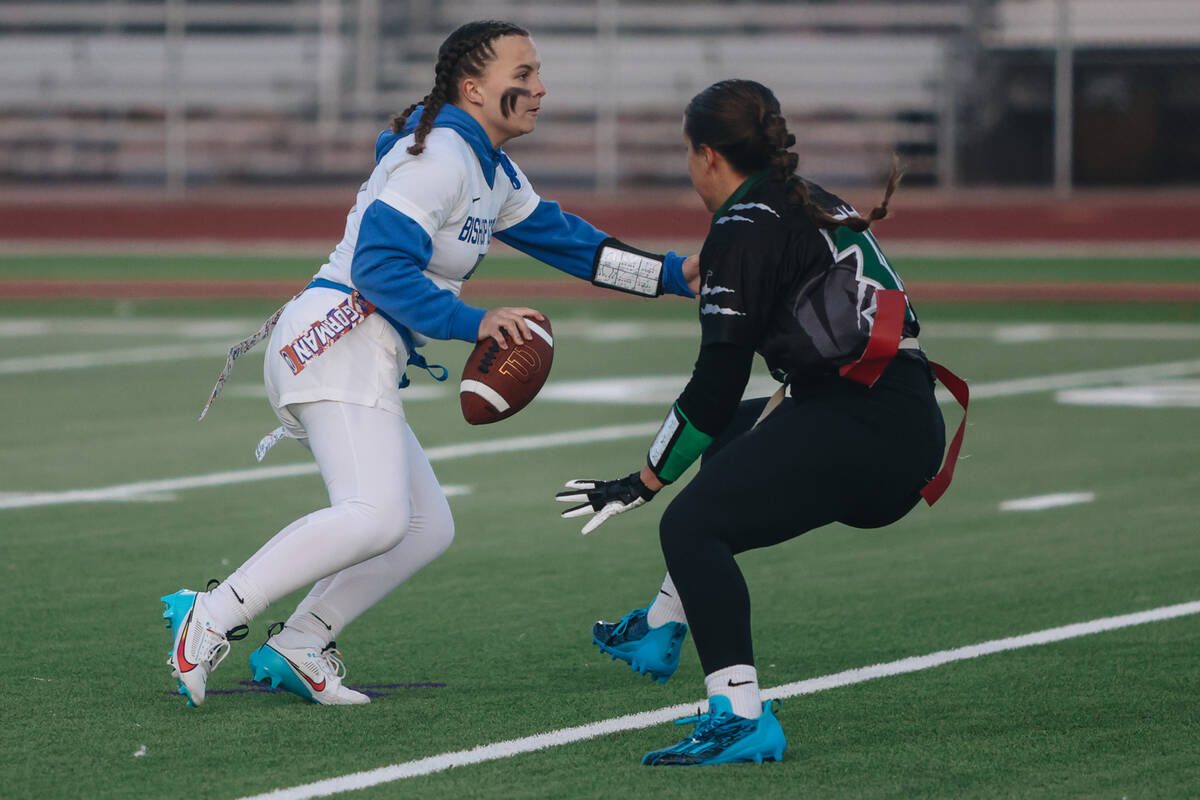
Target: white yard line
[[210, 338], [1020, 333], [171, 327], [1071, 380], [514, 747], [24, 365], [1043, 501], [144, 490], [979, 391], [158, 491]]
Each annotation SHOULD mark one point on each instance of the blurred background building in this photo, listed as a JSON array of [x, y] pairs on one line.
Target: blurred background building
[[182, 94]]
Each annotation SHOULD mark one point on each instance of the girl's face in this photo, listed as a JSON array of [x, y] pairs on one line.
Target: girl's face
[[505, 100]]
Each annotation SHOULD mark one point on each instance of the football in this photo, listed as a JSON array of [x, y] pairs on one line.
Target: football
[[498, 383]]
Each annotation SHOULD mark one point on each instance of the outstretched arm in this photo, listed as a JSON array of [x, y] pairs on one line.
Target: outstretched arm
[[573, 245], [702, 411]]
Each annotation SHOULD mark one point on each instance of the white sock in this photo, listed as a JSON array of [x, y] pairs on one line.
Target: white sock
[[666, 606], [291, 639], [235, 602], [311, 625], [739, 683]]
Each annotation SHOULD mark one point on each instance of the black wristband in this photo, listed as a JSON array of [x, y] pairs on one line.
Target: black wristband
[[640, 488]]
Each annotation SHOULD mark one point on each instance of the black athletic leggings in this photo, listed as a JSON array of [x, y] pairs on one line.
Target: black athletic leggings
[[833, 452]]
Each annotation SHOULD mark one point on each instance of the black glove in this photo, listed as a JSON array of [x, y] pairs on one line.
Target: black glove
[[604, 498]]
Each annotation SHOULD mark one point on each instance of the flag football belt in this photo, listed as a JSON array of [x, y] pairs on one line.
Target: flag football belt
[[885, 342], [908, 343], [347, 314], [322, 333], [365, 308], [317, 337], [340, 320]]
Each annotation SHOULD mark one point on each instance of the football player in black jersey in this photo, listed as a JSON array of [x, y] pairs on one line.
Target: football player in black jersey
[[792, 272]]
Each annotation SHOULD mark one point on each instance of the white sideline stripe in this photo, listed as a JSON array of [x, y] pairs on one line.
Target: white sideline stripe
[[585, 436], [1044, 501], [979, 391], [136, 491], [202, 328], [646, 719], [1175, 393], [589, 330], [1071, 380], [160, 491], [107, 358], [1028, 332]]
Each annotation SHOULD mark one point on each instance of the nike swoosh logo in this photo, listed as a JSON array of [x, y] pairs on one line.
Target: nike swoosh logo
[[740, 683], [317, 687], [181, 662], [328, 627], [474, 199], [238, 596]]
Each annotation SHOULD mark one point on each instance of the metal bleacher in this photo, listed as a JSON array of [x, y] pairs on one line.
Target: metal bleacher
[[188, 92], [847, 122], [858, 81], [1097, 23]]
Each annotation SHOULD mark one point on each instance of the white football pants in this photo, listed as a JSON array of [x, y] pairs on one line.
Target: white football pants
[[387, 518]]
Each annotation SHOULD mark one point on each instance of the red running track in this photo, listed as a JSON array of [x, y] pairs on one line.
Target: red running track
[[997, 217], [928, 291]]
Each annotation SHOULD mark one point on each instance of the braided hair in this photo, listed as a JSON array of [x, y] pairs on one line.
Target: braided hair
[[465, 52], [741, 120]]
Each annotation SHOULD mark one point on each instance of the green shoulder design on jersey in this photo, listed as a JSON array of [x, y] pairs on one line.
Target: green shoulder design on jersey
[[873, 265], [676, 446]]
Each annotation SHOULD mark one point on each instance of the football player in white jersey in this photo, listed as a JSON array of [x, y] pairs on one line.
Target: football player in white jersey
[[441, 190]]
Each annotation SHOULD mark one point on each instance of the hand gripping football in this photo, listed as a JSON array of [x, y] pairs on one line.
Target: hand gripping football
[[498, 383]]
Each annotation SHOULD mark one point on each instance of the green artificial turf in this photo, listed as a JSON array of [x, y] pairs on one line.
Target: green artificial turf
[[491, 642]]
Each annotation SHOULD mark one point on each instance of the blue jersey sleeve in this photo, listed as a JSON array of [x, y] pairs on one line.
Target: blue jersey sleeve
[[569, 243], [390, 256]]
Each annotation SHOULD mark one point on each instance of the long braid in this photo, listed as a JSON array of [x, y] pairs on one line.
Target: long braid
[[467, 51], [433, 102], [785, 162], [399, 120], [742, 120]]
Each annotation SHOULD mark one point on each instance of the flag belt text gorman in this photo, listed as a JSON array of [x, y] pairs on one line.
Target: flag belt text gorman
[[341, 319]]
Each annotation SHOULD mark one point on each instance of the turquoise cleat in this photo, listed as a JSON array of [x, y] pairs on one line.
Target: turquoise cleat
[[649, 651], [196, 647], [722, 737], [305, 672], [177, 607]]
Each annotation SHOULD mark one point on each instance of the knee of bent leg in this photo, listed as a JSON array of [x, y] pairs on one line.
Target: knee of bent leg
[[378, 525], [674, 527], [441, 527]]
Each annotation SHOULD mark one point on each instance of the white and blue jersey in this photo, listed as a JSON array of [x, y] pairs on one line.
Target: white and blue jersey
[[422, 224], [419, 227]]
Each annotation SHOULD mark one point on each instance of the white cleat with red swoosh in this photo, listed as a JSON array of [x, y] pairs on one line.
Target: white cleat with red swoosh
[[313, 674], [197, 646]]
